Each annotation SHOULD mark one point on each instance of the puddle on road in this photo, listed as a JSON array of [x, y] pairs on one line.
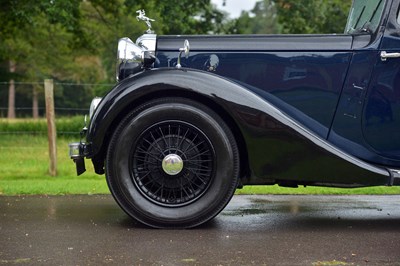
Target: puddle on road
[[243, 212], [309, 206]]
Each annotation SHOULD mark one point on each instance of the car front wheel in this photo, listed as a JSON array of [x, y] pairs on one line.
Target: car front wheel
[[172, 162]]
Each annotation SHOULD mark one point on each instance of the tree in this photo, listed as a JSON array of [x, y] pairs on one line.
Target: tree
[[20, 20], [336, 18], [189, 17], [107, 21], [75, 41], [262, 19], [294, 17], [312, 16]]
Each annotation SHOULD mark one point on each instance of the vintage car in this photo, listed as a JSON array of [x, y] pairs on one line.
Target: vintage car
[[192, 118]]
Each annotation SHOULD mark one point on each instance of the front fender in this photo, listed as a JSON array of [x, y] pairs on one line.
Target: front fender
[[266, 129], [157, 82]]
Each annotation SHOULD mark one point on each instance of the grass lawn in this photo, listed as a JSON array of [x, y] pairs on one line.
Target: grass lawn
[[24, 164], [24, 171]]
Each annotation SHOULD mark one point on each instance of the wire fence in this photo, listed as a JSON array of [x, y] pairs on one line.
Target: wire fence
[[23, 108], [69, 98]]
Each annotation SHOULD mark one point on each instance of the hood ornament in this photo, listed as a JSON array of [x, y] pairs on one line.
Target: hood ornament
[[142, 16]]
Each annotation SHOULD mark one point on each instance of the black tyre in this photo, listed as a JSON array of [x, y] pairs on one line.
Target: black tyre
[[172, 163]]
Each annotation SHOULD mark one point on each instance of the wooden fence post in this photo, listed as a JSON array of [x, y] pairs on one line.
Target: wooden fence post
[[11, 93], [51, 125]]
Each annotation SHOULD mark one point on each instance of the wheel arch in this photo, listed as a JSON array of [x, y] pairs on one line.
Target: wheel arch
[[169, 90]]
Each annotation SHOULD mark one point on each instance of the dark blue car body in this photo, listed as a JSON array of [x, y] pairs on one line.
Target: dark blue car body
[[303, 109]]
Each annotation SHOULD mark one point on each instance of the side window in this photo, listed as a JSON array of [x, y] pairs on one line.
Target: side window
[[365, 16]]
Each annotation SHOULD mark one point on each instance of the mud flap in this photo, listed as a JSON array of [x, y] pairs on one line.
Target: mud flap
[[80, 166]]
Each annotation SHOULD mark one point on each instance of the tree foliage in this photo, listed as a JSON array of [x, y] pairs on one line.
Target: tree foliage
[[295, 17], [75, 41], [33, 31], [261, 19], [311, 16], [58, 38]]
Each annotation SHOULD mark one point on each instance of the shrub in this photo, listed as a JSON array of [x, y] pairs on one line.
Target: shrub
[[66, 126]]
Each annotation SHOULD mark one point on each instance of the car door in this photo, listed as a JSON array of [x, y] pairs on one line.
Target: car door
[[366, 123], [381, 113]]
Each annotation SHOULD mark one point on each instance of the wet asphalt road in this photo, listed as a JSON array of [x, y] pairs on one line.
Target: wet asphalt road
[[252, 230]]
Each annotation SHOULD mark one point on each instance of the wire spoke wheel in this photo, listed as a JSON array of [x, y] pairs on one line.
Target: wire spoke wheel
[[172, 163]]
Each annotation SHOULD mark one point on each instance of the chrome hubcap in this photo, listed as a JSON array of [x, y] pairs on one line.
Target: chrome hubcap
[[172, 164]]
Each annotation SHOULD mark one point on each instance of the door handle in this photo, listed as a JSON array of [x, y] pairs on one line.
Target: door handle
[[385, 55]]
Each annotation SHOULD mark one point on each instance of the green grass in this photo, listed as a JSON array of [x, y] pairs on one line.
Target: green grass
[[24, 162], [64, 125]]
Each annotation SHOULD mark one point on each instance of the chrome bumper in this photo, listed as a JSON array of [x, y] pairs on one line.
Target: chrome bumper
[[76, 153], [79, 150]]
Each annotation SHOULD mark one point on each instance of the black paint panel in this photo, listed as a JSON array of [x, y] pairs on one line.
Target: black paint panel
[[279, 149]]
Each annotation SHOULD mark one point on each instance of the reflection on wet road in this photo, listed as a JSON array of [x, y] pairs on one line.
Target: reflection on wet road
[[259, 230]]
